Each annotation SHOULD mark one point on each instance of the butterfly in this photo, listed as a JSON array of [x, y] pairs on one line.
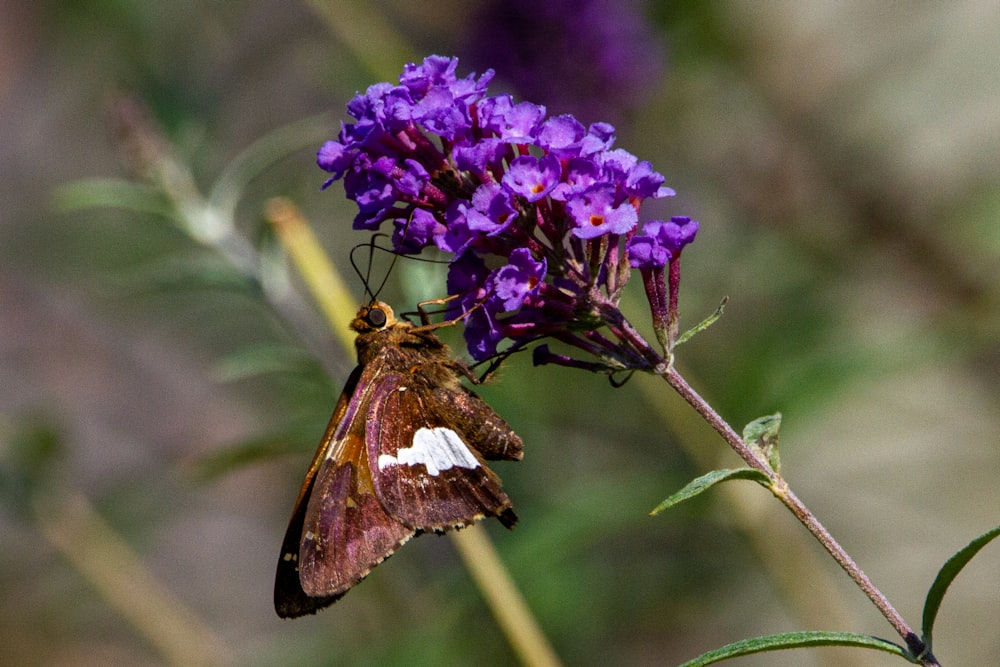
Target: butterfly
[[404, 454]]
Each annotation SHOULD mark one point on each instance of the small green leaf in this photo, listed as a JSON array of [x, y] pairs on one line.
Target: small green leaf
[[763, 429], [762, 435], [946, 575], [704, 324], [797, 640], [708, 480]]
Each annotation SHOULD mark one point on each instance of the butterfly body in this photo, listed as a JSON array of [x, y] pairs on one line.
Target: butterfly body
[[403, 454]]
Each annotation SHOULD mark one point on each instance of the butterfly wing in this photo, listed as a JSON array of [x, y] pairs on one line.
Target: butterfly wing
[[403, 453], [479, 424], [339, 531], [425, 471], [289, 598]]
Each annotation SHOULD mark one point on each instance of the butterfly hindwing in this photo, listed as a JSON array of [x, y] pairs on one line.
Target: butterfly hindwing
[[425, 472], [484, 429]]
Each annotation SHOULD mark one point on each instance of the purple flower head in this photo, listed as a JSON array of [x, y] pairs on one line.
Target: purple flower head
[[536, 213]]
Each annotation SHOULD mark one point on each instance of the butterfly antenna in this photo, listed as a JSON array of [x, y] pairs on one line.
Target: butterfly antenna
[[366, 274], [385, 278], [374, 245]]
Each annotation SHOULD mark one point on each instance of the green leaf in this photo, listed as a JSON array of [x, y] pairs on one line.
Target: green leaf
[[946, 575], [762, 435], [112, 193], [763, 430], [708, 480], [704, 324], [797, 640]]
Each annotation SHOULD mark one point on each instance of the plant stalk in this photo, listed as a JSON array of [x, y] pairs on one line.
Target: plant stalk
[[779, 487]]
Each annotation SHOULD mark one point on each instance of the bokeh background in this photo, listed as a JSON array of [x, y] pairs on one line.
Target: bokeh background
[[156, 416]]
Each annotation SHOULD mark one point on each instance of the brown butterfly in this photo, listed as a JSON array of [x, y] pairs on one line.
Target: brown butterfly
[[403, 455]]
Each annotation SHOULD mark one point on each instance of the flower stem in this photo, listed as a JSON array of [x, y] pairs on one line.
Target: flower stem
[[779, 487], [504, 599]]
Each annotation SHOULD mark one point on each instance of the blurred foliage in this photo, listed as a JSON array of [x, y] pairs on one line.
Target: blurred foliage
[[848, 213]]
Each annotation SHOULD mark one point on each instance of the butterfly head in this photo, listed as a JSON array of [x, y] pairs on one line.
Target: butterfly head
[[376, 316]]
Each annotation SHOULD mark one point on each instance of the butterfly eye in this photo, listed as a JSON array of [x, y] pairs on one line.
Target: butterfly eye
[[376, 317]]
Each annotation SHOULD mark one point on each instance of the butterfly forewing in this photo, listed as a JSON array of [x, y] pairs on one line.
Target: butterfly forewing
[[289, 598], [346, 531]]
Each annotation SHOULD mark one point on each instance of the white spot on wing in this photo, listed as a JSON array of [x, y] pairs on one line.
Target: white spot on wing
[[437, 448]]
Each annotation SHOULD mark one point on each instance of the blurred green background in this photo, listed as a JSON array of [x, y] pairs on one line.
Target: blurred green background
[[844, 162]]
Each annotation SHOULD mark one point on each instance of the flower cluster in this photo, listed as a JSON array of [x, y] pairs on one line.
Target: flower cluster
[[539, 215]]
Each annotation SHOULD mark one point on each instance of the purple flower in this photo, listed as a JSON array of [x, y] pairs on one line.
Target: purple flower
[[562, 135], [645, 252], [482, 335], [416, 232], [595, 213], [518, 123], [660, 242], [674, 234], [532, 178], [579, 174], [492, 209], [536, 213], [522, 277], [467, 276], [643, 182], [412, 179], [456, 235]]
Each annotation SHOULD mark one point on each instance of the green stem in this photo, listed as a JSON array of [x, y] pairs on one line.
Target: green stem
[[71, 524], [783, 493], [509, 607]]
